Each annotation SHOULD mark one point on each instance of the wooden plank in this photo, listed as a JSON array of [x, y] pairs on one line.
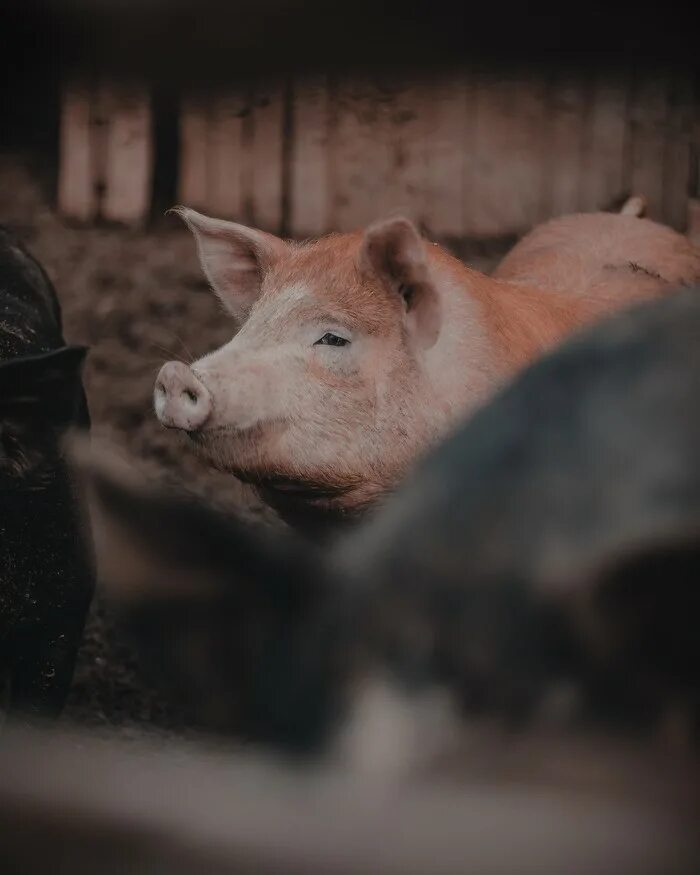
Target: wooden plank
[[77, 193], [693, 214], [407, 182], [509, 165], [225, 158], [361, 152], [647, 132], [310, 164], [603, 157], [129, 154], [566, 105], [677, 163], [381, 157], [695, 139], [193, 188], [693, 221], [266, 155], [451, 120]]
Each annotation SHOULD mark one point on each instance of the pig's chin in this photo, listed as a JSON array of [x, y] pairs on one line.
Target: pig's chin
[[230, 449], [314, 505], [249, 455]]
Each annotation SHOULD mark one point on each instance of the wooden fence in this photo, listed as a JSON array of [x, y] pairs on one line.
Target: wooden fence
[[467, 154]]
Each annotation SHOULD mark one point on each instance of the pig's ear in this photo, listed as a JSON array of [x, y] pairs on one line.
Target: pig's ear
[[233, 257], [394, 252], [45, 386]]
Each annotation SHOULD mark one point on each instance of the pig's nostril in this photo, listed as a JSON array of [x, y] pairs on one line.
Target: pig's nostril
[[190, 395]]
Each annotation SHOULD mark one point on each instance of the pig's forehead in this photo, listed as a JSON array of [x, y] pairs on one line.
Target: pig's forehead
[[324, 275], [329, 263]]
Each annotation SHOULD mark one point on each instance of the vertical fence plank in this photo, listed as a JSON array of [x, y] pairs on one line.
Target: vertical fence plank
[[310, 164], [225, 155], [451, 125], [128, 159], [77, 193], [266, 155], [194, 133], [509, 151], [603, 157], [647, 120], [693, 213], [693, 221], [677, 167], [351, 135], [379, 157], [565, 126], [408, 135], [361, 152]]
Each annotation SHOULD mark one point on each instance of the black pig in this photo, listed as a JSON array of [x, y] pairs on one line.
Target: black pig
[[550, 546], [46, 568]]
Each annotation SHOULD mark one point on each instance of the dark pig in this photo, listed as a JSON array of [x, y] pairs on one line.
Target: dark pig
[[46, 573], [542, 563]]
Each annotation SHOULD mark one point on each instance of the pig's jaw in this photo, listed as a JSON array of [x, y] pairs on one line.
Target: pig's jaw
[[316, 508], [303, 498]]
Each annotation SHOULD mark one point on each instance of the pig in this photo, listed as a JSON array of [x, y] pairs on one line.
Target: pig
[[540, 565], [46, 569], [357, 352]]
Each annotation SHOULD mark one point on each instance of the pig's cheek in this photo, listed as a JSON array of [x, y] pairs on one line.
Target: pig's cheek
[[332, 373]]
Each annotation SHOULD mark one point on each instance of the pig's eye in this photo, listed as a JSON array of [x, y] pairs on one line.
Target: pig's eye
[[329, 339]]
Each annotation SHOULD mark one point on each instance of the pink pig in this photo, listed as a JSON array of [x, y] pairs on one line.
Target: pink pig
[[354, 353]]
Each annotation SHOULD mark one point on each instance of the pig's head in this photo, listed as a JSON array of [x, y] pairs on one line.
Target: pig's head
[[320, 398]]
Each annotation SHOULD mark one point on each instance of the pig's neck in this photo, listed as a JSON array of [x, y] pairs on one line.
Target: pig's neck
[[524, 321], [318, 521], [509, 324]]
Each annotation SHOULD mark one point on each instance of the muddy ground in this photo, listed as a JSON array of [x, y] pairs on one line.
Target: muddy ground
[[137, 298]]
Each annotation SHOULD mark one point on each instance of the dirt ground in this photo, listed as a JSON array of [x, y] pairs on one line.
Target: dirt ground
[[137, 298]]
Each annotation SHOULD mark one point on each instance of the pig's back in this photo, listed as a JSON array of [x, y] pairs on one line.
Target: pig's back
[[603, 256], [30, 321]]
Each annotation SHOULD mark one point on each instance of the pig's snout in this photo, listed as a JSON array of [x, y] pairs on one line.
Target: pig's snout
[[180, 399]]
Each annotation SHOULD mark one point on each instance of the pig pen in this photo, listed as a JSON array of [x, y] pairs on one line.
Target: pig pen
[[475, 155], [91, 209]]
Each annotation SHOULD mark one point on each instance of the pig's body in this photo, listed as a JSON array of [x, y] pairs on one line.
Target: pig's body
[[46, 578], [550, 545], [418, 341], [607, 259]]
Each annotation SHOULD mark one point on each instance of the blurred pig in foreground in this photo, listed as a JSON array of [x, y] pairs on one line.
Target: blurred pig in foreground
[[46, 577], [357, 352], [542, 564]]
